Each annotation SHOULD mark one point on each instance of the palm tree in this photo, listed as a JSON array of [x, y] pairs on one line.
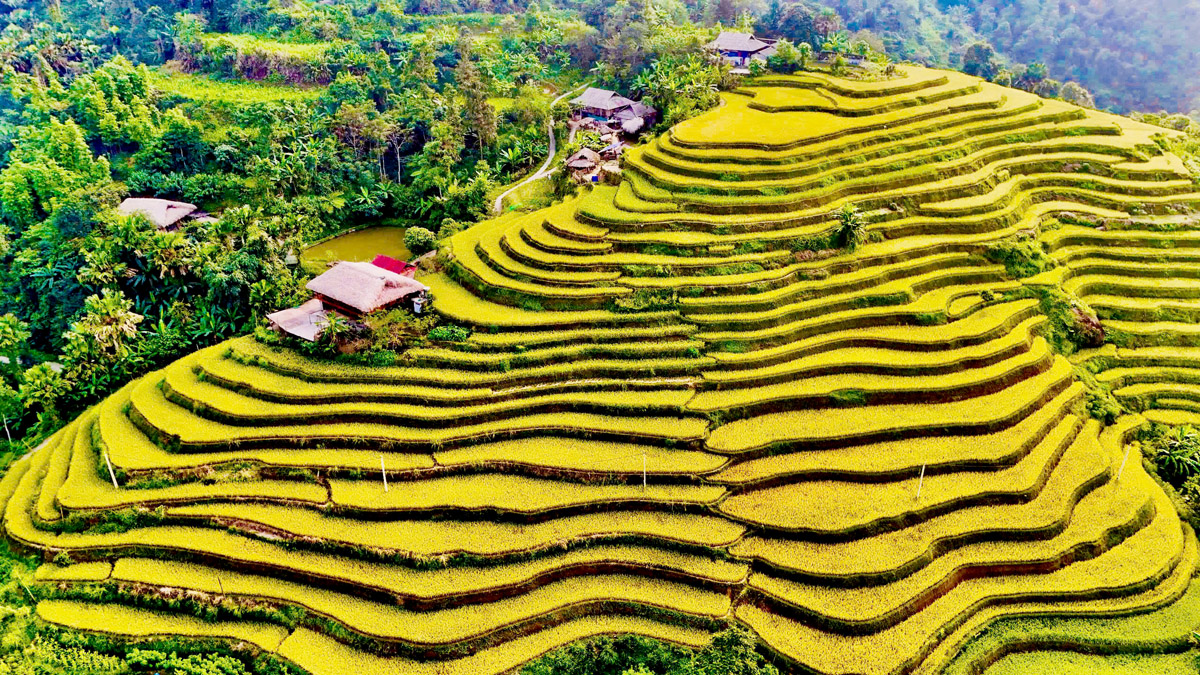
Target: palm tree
[[837, 42], [109, 321]]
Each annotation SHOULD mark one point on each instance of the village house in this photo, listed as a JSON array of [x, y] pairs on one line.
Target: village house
[[610, 107], [358, 288], [353, 289], [589, 166], [739, 49], [164, 213], [586, 160]]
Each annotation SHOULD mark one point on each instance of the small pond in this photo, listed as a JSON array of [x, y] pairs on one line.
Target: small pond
[[360, 246]]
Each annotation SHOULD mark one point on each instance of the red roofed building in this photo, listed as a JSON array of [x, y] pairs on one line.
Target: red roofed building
[[391, 264]]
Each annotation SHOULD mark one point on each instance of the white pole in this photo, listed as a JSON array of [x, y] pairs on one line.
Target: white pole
[[383, 470], [921, 482], [111, 474], [6, 432], [1123, 460], [27, 591], [643, 470]]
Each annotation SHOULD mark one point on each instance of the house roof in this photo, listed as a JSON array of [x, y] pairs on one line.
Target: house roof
[[305, 322], [162, 212], [601, 99], [765, 53], [586, 158], [632, 126], [729, 41], [390, 264], [642, 110], [363, 286]]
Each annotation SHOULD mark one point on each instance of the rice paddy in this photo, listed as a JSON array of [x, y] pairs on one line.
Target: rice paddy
[[688, 403]]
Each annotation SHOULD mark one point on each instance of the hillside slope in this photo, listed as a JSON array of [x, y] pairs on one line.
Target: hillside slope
[[686, 403]]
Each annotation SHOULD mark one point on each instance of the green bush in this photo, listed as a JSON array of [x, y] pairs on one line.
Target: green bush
[[732, 652], [1177, 455], [419, 240], [1021, 257], [449, 334], [852, 228]]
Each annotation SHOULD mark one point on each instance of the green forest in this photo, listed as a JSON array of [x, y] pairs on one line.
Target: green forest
[[1132, 56]]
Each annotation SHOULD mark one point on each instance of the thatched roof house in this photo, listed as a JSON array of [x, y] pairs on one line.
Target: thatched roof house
[[600, 102], [164, 213], [739, 48], [357, 288], [584, 160], [305, 322], [609, 106]]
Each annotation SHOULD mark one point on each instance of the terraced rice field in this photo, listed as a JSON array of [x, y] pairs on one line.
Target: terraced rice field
[[683, 407]]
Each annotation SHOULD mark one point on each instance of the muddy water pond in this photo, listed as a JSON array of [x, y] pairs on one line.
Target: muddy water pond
[[359, 246]]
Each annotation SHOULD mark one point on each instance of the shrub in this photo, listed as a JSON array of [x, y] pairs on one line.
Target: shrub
[[851, 228], [396, 330], [646, 300], [1021, 257], [419, 240], [449, 334], [449, 228], [1103, 406], [1178, 455]]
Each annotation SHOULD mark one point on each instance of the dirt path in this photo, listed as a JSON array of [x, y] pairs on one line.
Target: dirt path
[[544, 170]]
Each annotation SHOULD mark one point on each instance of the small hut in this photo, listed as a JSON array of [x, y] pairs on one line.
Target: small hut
[[305, 322], [165, 214], [586, 161], [358, 288]]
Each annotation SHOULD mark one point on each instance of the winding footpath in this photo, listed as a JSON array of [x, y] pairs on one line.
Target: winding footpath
[[544, 170]]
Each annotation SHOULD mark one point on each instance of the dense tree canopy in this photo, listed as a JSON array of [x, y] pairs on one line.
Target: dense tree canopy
[[1132, 55]]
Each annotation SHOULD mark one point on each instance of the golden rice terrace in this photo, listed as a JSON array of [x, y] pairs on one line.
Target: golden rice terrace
[[867, 455]]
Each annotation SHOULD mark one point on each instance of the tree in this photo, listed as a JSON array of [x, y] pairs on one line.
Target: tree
[[42, 387], [13, 334], [804, 55], [1073, 92], [1031, 76], [785, 59], [1047, 88], [101, 336], [732, 652], [10, 408], [838, 43], [979, 60], [481, 116], [827, 22]]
